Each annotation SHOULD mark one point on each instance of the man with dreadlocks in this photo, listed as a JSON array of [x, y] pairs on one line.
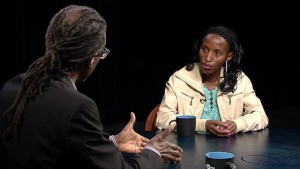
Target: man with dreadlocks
[[43, 129], [213, 88]]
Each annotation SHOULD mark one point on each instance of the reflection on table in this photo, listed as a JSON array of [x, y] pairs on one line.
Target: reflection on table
[[272, 148]]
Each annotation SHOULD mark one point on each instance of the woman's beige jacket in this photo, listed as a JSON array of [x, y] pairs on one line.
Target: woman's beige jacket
[[184, 95]]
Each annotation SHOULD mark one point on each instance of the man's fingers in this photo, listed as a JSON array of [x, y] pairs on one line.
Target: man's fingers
[[175, 147], [170, 158], [144, 144], [144, 139], [131, 121], [132, 118], [173, 151], [167, 131]]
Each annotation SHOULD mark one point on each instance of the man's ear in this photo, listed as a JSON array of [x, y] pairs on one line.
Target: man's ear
[[91, 61]]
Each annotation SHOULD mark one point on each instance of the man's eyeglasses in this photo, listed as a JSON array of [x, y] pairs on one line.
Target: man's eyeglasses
[[102, 53]]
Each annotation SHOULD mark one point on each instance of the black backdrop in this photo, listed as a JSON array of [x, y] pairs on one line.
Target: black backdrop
[[149, 40]]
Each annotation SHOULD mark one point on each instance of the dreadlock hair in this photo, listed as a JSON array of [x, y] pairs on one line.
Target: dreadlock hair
[[74, 34], [228, 84]]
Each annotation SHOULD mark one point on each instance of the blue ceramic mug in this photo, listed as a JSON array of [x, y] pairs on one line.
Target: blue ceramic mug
[[186, 125], [219, 160]]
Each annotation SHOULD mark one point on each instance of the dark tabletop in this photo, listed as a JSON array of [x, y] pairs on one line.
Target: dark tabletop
[[271, 148]]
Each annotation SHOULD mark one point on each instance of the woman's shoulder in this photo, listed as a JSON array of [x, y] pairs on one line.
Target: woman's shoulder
[[243, 76], [193, 73], [243, 79], [183, 75]]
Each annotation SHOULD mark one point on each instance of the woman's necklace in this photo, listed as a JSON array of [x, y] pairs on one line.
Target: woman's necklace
[[212, 84]]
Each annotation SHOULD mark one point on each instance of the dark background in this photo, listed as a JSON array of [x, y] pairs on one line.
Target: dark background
[[149, 40]]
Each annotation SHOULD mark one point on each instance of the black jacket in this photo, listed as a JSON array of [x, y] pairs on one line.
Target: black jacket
[[61, 130]]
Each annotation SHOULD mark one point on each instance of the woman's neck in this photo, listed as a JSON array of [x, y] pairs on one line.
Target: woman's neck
[[210, 81]]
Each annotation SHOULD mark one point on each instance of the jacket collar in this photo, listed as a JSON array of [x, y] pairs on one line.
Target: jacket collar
[[60, 76], [193, 78]]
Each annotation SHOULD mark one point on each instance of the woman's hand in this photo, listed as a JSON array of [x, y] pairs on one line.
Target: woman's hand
[[219, 128]]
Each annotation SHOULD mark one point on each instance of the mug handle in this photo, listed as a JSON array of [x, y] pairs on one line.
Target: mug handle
[[209, 167], [232, 166]]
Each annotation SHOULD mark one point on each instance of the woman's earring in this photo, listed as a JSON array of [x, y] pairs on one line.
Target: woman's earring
[[226, 67]]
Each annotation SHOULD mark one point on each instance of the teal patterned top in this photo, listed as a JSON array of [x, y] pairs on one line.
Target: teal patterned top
[[211, 110]]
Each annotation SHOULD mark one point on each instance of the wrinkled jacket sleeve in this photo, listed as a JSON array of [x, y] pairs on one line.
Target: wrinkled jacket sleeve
[[89, 147], [168, 107], [254, 116]]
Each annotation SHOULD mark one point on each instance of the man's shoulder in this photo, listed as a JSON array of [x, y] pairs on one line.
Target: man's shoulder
[[13, 84], [16, 80], [9, 91]]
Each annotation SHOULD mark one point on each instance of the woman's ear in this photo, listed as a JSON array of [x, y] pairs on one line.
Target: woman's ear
[[229, 57]]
